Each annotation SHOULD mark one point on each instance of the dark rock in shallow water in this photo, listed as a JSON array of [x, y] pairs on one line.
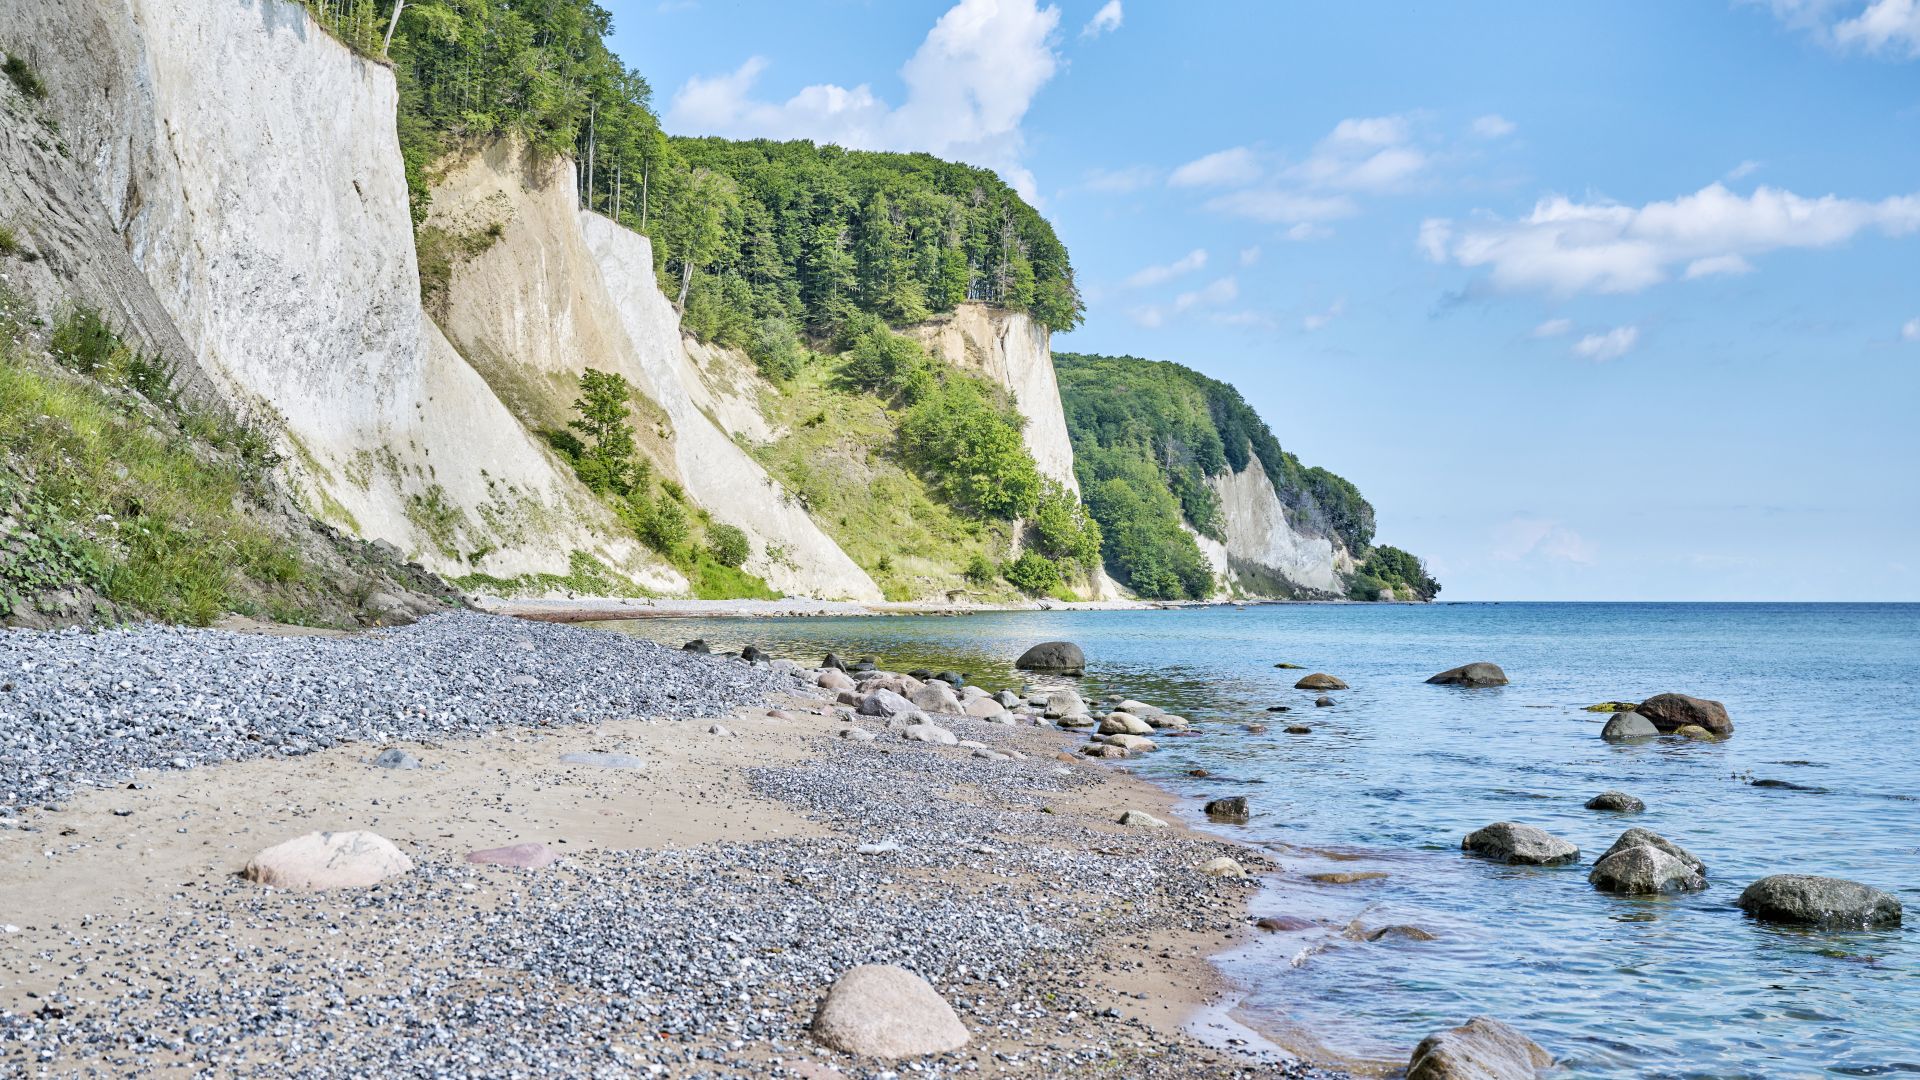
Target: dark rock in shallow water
[[1829, 903], [1400, 930], [1322, 702], [1612, 706], [1284, 924], [1643, 870], [753, 653], [1511, 842], [1299, 729], [1671, 712], [698, 645], [1624, 726], [1231, 808], [1472, 675], [1059, 657], [1279, 708], [1617, 801], [1786, 785], [1319, 680], [1481, 1049], [1638, 837]]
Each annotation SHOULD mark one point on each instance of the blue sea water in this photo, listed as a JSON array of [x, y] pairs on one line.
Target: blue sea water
[[1826, 697]]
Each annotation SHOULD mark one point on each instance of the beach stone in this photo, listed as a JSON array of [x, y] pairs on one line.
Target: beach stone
[[1223, 867], [1694, 731], [930, 733], [1135, 744], [1298, 729], [1119, 723], [716, 729], [832, 661], [1401, 930], [1643, 870], [1480, 1049], [1472, 675], [989, 754], [1622, 726], [937, 697], [754, 654], [1137, 708], [697, 645], [1166, 721], [884, 1011], [1832, 903], [1671, 712], [328, 860], [1346, 877], [396, 758], [857, 734], [1057, 657], [834, 679], [1511, 842], [984, 708], [1061, 704], [781, 714], [1319, 680], [523, 856], [602, 761], [885, 703], [970, 694], [1254, 729], [1105, 750], [1284, 924], [1323, 702], [1007, 698], [1638, 837], [1142, 819], [1617, 801], [1231, 808], [952, 678], [881, 847]]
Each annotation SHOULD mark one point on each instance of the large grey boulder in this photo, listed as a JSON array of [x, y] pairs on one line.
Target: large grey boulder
[[883, 1011], [937, 697], [930, 733], [328, 860], [1063, 703], [982, 708], [1119, 723], [1319, 680], [1638, 837], [1832, 903], [1622, 726], [1058, 657], [1472, 675], [1511, 842], [1480, 1049], [885, 703], [1671, 712], [1643, 870], [1617, 801]]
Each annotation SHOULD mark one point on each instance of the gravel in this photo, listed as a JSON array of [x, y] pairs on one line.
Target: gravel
[[80, 708]]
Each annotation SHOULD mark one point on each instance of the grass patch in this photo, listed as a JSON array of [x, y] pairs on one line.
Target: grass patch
[[122, 490], [9, 240], [24, 78], [712, 580], [585, 574], [441, 250]]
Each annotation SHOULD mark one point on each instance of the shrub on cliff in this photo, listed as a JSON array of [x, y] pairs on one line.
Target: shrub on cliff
[[728, 545]]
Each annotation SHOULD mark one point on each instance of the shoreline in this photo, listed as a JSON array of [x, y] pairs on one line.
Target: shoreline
[[780, 793], [611, 609]]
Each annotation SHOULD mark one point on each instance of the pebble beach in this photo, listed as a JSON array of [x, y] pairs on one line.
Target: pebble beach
[[705, 847]]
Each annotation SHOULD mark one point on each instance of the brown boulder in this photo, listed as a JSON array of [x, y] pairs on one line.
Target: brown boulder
[[1671, 712], [1319, 680], [1480, 1049]]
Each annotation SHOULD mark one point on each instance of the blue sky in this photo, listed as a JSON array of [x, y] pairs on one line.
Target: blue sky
[[1593, 301]]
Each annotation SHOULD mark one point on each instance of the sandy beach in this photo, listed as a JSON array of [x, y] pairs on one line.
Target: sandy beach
[[700, 906]]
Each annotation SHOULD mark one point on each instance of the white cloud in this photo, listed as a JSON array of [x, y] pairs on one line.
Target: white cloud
[[1887, 27], [1152, 316], [1363, 154], [1718, 264], [1744, 169], [1122, 180], [1566, 247], [1105, 20], [1307, 230], [1222, 168], [1250, 255], [1553, 328], [1319, 320], [1493, 126], [1155, 275], [1608, 346], [1283, 207], [1539, 538], [1910, 331], [969, 86], [1213, 294]]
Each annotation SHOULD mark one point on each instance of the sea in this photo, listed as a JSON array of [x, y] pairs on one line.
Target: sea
[[1825, 699]]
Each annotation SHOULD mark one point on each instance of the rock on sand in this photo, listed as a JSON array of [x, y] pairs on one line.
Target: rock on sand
[[883, 1011], [329, 860]]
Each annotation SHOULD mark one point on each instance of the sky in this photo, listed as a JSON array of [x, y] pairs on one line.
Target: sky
[[1593, 301]]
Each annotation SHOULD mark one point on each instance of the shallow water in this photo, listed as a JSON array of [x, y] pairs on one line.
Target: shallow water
[[1390, 779]]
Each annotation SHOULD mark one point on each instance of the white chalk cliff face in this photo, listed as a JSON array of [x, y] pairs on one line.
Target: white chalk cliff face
[[1259, 533], [561, 290], [250, 168], [1010, 349]]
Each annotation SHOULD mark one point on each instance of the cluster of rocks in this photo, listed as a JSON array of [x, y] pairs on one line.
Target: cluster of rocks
[[1665, 714]]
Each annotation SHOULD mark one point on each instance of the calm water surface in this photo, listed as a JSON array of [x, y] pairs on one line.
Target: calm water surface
[[1823, 696]]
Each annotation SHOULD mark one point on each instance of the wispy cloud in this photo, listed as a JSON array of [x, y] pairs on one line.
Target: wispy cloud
[[1744, 169], [1155, 275], [1523, 538], [1889, 28], [1910, 331], [1104, 21], [1363, 154], [1493, 126], [1222, 168], [1249, 255], [1567, 247], [1122, 180], [1553, 328], [1283, 207], [1320, 320], [1610, 345], [1214, 293]]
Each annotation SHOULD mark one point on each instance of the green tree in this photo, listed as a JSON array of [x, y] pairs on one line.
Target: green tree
[[728, 545], [1062, 529], [607, 461], [1033, 573]]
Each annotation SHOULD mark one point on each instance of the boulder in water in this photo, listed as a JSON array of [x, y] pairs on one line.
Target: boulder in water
[[1617, 801], [1319, 680], [1057, 657], [1480, 1049], [1511, 842], [697, 645], [1829, 903], [1671, 712], [883, 1011], [1477, 674], [1636, 837], [1625, 726], [1231, 808], [1643, 870]]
